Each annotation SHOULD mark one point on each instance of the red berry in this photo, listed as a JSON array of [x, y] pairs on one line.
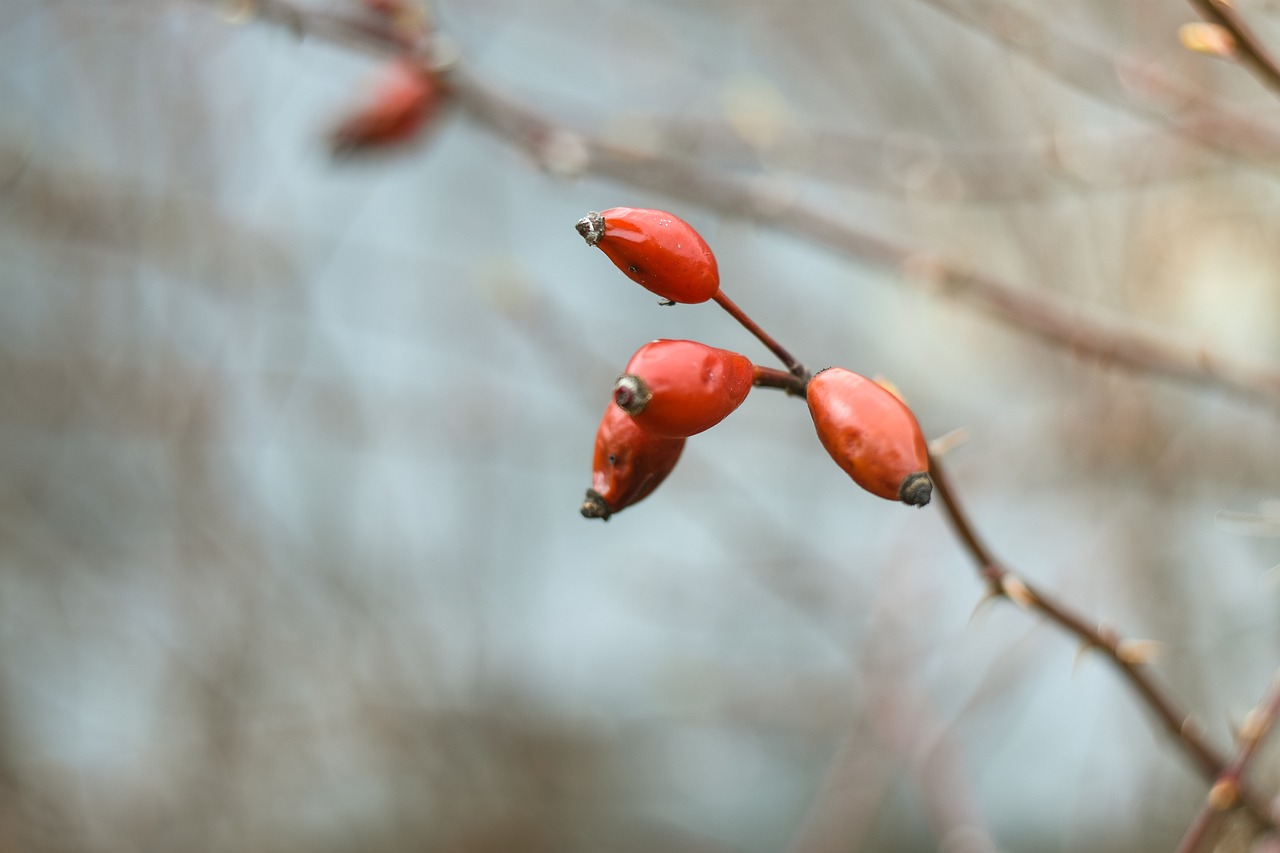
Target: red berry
[[629, 463], [655, 249], [679, 388], [872, 435], [403, 99]]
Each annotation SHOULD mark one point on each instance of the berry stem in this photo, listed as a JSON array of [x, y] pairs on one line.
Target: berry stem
[[769, 377], [797, 369]]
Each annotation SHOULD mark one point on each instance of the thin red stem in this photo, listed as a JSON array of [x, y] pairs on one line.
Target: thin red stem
[[768, 377], [797, 369]]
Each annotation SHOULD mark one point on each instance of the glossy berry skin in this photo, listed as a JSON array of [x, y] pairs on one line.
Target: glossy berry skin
[[403, 99], [680, 388], [872, 435], [657, 250], [629, 463]]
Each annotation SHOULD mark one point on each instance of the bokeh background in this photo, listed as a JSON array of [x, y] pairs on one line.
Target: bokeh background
[[291, 449]]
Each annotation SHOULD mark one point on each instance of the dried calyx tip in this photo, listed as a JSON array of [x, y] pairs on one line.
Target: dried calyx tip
[[591, 227], [916, 489], [593, 506], [631, 393]]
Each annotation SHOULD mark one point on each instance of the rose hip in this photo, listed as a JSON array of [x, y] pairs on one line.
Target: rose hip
[[657, 250], [872, 435], [628, 464]]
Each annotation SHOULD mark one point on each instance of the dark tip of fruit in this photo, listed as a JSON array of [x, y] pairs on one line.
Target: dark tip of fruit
[[591, 227], [593, 506], [631, 394], [916, 489]]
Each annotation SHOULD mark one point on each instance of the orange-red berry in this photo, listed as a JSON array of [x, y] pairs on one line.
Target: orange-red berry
[[872, 435], [657, 250], [402, 101], [629, 463], [679, 388]]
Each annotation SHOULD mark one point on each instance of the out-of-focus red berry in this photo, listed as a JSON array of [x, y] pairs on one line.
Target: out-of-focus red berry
[[403, 99], [657, 250], [629, 463], [872, 435], [679, 388]]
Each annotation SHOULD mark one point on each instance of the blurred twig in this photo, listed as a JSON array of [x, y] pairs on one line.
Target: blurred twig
[[1248, 50], [1107, 338], [990, 173], [1144, 89], [1227, 790]]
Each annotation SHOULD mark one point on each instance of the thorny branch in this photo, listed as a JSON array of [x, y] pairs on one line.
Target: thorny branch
[[1107, 339], [1226, 791], [1126, 656], [1248, 50]]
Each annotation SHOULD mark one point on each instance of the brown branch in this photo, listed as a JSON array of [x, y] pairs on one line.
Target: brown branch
[[1248, 50], [1002, 582], [1227, 790], [1105, 338]]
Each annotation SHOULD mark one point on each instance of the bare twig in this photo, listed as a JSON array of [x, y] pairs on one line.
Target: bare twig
[[1227, 790], [1248, 50], [1089, 70], [1004, 583]]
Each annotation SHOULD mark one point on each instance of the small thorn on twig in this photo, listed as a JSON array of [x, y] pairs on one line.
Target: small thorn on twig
[[1255, 725], [1081, 651], [1019, 593], [889, 386], [1209, 39], [989, 596], [1224, 794], [1139, 652], [947, 442]]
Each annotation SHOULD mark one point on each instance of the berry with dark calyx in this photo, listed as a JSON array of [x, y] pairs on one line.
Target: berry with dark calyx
[[629, 463], [680, 388], [872, 435], [657, 250]]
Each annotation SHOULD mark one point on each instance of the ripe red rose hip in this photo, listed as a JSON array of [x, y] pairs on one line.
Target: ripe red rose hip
[[655, 249], [872, 435], [679, 388], [403, 99], [629, 463]]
